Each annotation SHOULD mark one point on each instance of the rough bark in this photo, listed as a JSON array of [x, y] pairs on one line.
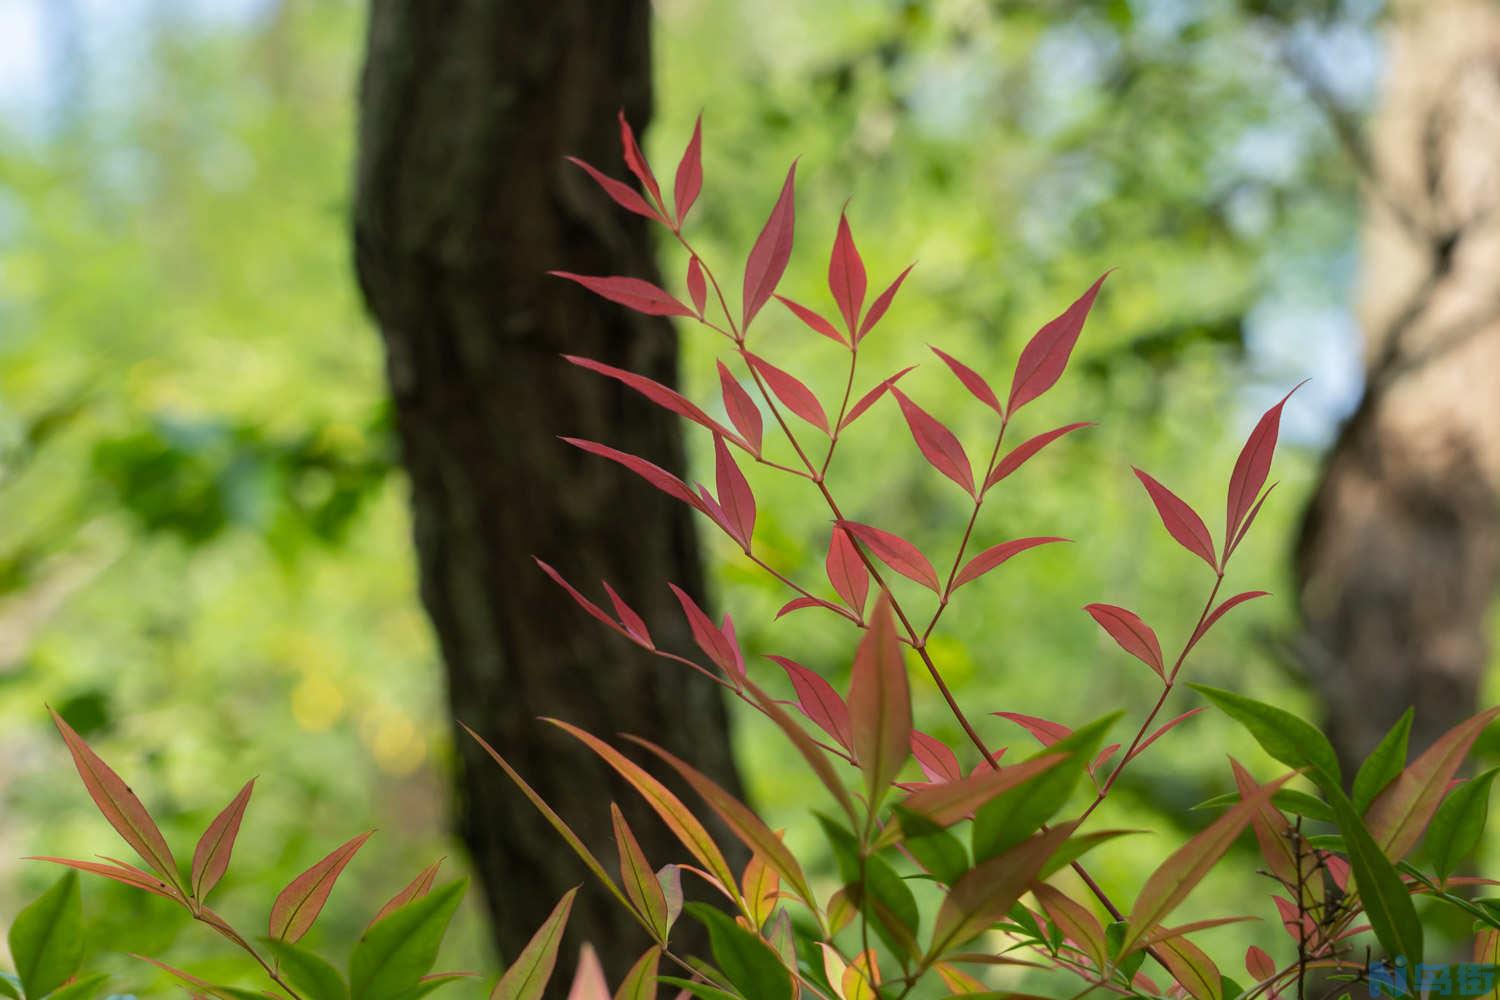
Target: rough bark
[[1399, 556], [467, 108]]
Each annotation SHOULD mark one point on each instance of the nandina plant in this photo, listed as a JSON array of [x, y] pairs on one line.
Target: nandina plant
[[1001, 851]]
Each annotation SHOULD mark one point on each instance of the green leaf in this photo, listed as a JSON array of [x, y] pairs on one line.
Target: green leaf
[[1077, 846], [402, 946], [86, 988], [701, 990], [312, 975], [433, 983], [1458, 824], [1389, 908], [529, 974], [10, 986], [985, 895], [1383, 765], [46, 939], [1286, 799], [640, 982], [937, 850], [1281, 734], [1016, 814], [749, 964]]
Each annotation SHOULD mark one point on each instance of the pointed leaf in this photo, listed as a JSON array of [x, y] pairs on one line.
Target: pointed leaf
[[896, 552], [311, 974], [881, 304], [809, 750], [637, 875], [813, 320], [995, 555], [1387, 904], [635, 625], [133, 877], [1046, 733], [1260, 965], [46, 939], [1458, 824], [818, 701], [1249, 520], [734, 494], [937, 443], [1281, 734], [1254, 463], [761, 888], [872, 397], [1021, 453], [1046, 355], [938, 762], [649, 471], [972, 380], [1194, 971], [588, 981], [211, 857], [880, 703], [1399, 815], [793, 394], [689, 180], [846, 275], [712, 640], [773, 248], [952, 801], [1076, 922], [1219, 612], [846, 571], [1134, 635], [633, 293], [746, 961], [527, 976], [417, 888], [636, 160], [623, 194], [640, 982], [743, 413], [667, 398], [1384, 764], [1163, 730], [986, 894], [299, 904], [696, 285], [1181, 521]]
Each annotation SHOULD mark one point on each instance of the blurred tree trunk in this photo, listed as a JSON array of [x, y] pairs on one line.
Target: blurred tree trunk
[[467, 108], [1399, 557]]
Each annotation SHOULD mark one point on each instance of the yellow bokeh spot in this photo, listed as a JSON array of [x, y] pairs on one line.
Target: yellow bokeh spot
[[317, 703], [396, 744]]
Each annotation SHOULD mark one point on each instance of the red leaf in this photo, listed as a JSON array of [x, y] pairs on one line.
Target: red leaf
[[1249, 520], [124, 874], [772, 250], [119, 804], [881, 304], [689, 174], [1401, 812], [666, 398], [642, 296], [1182, 522], [623, 194], [583, 602], [801, 603], [417, 888], [995, 555], [937, 443], [814, 322], [971, 380], [636, 160], [870, 398], [880, 703], [1046, 733], [734, 493], [1219, 612], [818, 701], [846, 275], [793, 394], [649, 471], [937, 760], [1046, 355], [588, 981], [847, 571], [697, 287], [951, 801], [1104, 756], [634, 624], [1019, 455], [211, 856], [1251, 468], [1165, 728], [302, 900], [743, 412], [715, 645], [1260, 965], [1134, 636], [897, 553]]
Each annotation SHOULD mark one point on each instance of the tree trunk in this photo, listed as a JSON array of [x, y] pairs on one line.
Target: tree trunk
[[1399, 557], [467, 108]]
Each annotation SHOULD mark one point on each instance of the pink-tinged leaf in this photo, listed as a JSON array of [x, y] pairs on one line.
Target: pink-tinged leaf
[[679, 819], [124, 874], [936, 759], [668, 399], [937, 443], [1278, 843], [803, 603], [1170, 884], [640, 983], [881, 304], [697, 286], [810, 751], [583, 602], [1299, 925], [1103, 757], [897, 553], [1254, 463], [1022, 452], [1259, 964], [1399, 815], [1219, 612], [1249, 520], [743, 412], [880, 703], [649, 471], [773, 248], [818, 701], [1046, 733], [689, 180], [1076, 922], [299, 904], [211, 856], [726, 629], [670, 879], [1134, 635], [761, 888], [623, 194], [995, 555], [793, 394], [637, 876], [987, 892], [1181, 521], [1045, 356], [1194, 971], [588, 981], [714, 643], [527, 976], [1163, 730], [872, 397], [972, 380], [636, 161], [847, 571], [734, 494], [951, 801], [715, 512], [416, 889], [633, 293], [634, 624], [813, 321], [119, 804], [846, 275]]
